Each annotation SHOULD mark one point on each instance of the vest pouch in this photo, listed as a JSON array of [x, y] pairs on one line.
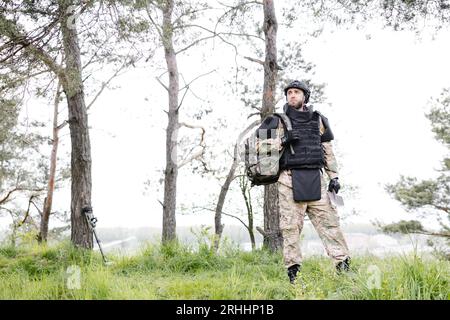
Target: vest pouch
[[306, 184]]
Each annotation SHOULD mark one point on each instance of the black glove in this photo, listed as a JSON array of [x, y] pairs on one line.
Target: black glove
[[289, 137], [334, 185]]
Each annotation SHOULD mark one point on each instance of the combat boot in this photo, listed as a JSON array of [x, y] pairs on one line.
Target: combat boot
[[292, 272], [343, 265]]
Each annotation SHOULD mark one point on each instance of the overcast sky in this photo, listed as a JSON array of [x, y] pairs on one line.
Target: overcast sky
[[379, 87]]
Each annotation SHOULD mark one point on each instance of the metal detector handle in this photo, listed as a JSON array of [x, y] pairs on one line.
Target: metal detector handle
[[91, 220]]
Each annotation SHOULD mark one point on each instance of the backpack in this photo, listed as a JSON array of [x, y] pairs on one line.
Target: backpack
[[261, 166]]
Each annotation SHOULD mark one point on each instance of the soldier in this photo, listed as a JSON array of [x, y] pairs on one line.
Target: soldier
[[302, 186]]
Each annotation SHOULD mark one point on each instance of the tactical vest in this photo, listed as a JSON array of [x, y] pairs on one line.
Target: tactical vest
[[306, 152]]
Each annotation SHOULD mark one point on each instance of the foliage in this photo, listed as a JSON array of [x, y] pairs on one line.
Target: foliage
[[428, 195], [22, 164], [404, 227], [395, 14]]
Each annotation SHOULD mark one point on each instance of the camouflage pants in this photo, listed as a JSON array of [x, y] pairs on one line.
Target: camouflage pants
[[323, 216]]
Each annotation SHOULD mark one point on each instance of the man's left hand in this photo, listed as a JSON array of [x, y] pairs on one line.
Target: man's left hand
[[334, 185]]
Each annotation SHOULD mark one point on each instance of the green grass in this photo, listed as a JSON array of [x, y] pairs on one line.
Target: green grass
[[177, 272]]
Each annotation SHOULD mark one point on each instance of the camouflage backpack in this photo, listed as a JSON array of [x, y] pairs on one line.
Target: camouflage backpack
[[262, 154]]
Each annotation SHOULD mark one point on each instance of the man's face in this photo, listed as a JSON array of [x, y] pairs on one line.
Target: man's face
[[295, 97]]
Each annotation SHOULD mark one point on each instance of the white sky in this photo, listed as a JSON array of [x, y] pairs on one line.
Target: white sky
[[378, 88]]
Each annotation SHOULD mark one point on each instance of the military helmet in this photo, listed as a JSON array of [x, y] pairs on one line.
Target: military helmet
[[299, 85]]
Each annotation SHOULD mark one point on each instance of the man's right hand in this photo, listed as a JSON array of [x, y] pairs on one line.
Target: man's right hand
[[288, 137]]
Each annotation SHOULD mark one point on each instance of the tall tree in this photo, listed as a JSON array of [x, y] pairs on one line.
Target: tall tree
[[81, 161], [178, 32], [218, 226], [171, 170], [48, 202], [273, 238], [55, 37], [60, 17]]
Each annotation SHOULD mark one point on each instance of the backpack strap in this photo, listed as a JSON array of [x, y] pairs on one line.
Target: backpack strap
[[285, 120], [287, 124]]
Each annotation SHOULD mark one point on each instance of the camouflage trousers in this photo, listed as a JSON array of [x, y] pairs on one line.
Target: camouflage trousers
[[323, 216]]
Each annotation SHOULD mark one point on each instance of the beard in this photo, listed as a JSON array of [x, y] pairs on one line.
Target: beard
[[297, 106]]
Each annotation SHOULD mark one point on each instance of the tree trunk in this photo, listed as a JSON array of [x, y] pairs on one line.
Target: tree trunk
[[226, 186], [223, 193], [273, 239], [252, 237], [245, 190], [79, 132], [272, 234], [42, 237], [248, 201], [171, 171]]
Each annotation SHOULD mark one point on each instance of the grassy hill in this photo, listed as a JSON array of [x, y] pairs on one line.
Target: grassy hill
[[177, 272]]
